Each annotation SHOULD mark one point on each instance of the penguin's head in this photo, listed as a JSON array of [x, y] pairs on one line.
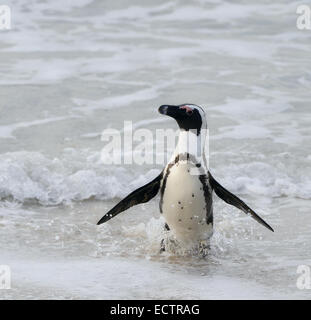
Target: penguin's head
[[188, 116]]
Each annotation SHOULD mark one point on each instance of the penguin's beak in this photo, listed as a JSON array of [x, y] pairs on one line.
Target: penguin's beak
[[163, 109]]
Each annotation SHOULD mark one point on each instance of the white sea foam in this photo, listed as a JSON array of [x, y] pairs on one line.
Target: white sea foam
[[29, 176], [268, 180]]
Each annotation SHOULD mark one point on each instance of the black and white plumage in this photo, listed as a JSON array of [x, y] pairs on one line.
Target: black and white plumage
[[186, 185]]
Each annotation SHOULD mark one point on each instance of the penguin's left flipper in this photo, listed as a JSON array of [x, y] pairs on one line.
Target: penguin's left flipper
[[235, 201], [141, 195]]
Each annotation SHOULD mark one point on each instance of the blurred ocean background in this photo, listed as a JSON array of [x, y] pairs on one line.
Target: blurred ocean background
[[70, 69]]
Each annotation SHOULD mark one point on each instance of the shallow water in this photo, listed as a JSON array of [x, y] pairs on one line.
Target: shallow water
[[69, 71]]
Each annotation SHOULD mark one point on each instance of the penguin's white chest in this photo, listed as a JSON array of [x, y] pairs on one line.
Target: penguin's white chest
[[183, 204]]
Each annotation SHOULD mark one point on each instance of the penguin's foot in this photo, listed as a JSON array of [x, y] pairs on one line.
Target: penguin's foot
[[162, 246], [166, 231], [169, 245], [204, 248]]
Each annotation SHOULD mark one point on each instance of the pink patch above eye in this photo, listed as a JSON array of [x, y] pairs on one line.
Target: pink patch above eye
[[187, 108]]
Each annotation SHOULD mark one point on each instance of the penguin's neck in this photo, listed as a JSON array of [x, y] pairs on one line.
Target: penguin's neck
[[191, 143]]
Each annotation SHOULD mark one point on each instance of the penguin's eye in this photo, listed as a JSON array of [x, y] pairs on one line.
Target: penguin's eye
[[189, 110]]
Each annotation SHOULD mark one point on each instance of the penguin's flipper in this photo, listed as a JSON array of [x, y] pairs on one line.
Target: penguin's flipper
[[141, 195], [230, 198]]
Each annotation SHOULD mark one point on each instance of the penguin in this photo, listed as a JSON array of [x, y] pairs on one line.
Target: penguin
[[186, 185]]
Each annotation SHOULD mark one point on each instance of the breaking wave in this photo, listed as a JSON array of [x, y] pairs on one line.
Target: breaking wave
[[77, 176]]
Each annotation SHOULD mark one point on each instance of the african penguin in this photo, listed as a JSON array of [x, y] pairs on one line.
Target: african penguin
[[186, 185]]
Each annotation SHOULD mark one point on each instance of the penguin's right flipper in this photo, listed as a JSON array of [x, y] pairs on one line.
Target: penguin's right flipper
[[230, 198], [141, 195]]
